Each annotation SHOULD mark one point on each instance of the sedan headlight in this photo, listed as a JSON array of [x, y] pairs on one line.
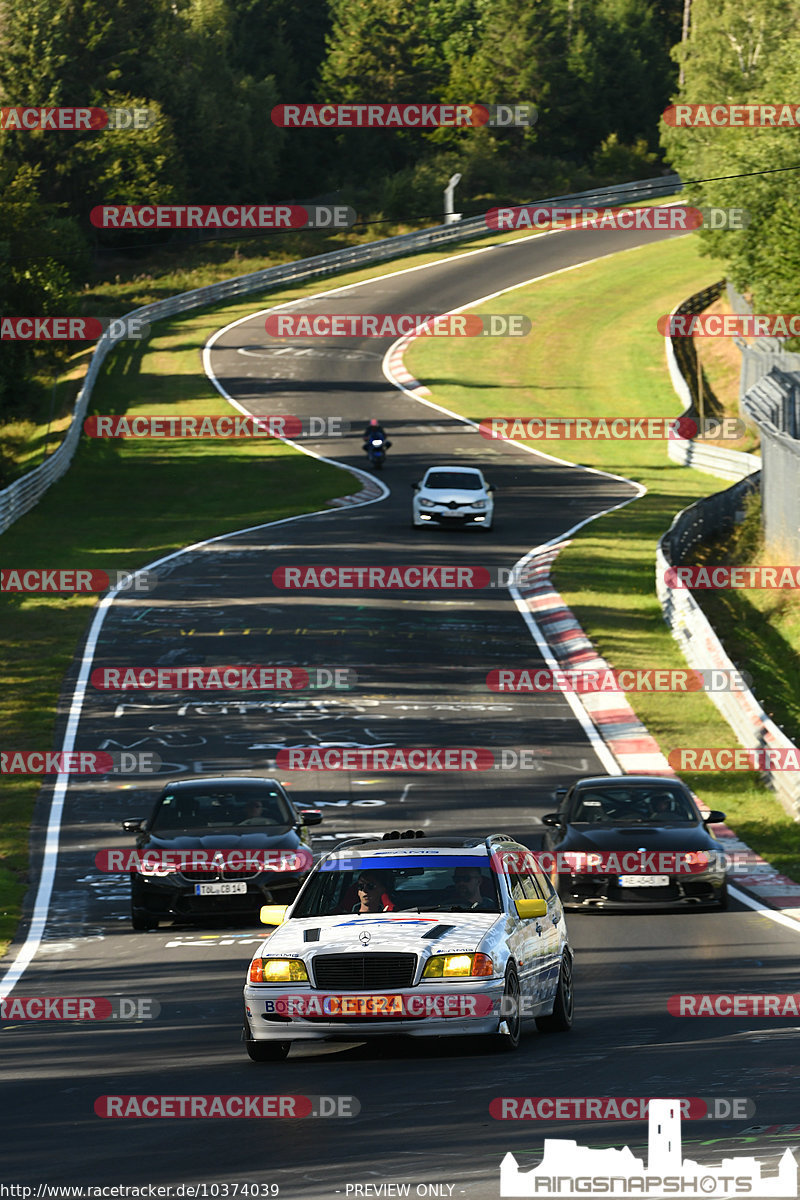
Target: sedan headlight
[[449, 966], [479, 504], [278, 970], [427, 504]]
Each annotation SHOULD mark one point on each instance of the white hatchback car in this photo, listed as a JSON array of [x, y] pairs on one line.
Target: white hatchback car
[[405, 936], [453, 496]]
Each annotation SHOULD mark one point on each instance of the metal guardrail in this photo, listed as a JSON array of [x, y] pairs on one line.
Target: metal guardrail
[[682, 366], [22, 495], [774, 404], [688, 623]]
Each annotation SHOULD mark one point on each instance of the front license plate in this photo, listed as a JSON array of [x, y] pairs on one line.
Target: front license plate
[[219, 889], [640, 881]]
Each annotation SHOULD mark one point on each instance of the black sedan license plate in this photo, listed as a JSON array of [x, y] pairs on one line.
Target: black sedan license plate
[[219, 889]]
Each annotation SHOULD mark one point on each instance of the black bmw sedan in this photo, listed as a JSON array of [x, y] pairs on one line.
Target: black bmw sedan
[[218, 845], [634, 841]]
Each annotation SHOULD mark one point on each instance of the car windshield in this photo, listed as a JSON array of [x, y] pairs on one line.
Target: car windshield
[[466, 887], [631, 806], [222, 808], [462, 481]]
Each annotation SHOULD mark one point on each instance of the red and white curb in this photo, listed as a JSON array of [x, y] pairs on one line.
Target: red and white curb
[[370, 491], [611, 714], [398, 369]]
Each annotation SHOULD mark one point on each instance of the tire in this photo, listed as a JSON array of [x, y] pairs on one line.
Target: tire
[[560, 1020], [264, 1051], [141, 921], [724, 898], [510, 1041], [267, 1051]]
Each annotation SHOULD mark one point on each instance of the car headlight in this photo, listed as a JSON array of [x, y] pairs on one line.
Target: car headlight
[[448, 966], [278, 970], [427, 504], [479, 504]]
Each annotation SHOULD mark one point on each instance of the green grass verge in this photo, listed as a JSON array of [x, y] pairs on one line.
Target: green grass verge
[[594, 351]]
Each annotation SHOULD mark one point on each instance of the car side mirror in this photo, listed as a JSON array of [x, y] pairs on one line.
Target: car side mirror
[[528, 909], [551, 819], [415, 487], [490, 488], [133, 824], [715, 817], [310, 816], [273, 914]]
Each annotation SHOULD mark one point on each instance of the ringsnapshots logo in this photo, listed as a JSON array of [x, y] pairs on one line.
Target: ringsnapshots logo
[[75, 580], [75, 120], [567, 1169], [225, 427], [71, 329], [728, 116], [608, 429], [395, 325], [418, 115], [199, 1107], [221, 679], [222, 216], [78, 762], [639, 679], [756, 325]]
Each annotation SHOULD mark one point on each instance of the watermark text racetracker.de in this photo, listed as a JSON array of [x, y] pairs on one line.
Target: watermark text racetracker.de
[[395, 325], [79, 1008], [615, 1108], [677, 217], [233, 678], [741, 576], [194, 1107], [228, 426], [71, 329], [57, 579], [419, 115], [721, 116], [222, 216], [608, 429], [638, 679], [75, 120], [159, 862], [78, 762]]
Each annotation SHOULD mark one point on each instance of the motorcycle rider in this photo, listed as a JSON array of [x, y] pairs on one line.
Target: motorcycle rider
[[375, 430]]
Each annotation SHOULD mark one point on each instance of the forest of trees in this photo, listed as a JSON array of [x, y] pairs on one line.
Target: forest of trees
[[600, 73]]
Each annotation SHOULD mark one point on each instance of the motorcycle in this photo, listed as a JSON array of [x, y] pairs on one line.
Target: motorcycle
[[376, 452]]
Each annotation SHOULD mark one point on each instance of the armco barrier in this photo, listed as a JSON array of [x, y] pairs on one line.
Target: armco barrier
[[21, 496], [682, 366], [774, 404], [689, 625]]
